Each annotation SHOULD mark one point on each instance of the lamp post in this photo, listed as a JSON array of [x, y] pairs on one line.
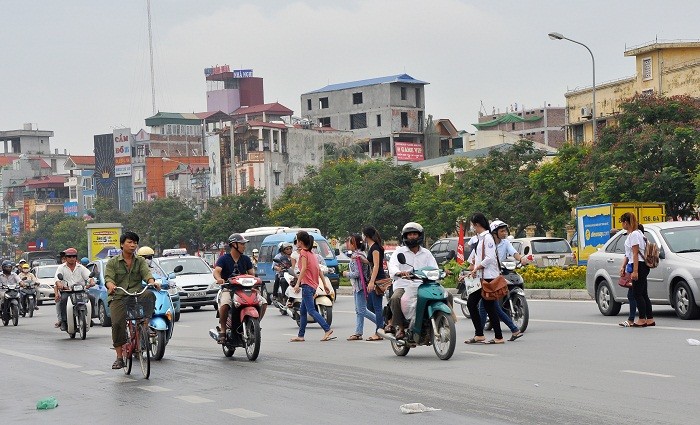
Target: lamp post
[[558, 36]]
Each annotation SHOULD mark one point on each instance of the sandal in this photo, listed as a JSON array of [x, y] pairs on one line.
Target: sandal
[[118, 364], [515, 336], [57, 325], [639, 325], [475, 341], [355, 337], [374, 337], [626, 323], [495, 341], [327, 336], [651, 324], [297, 339]]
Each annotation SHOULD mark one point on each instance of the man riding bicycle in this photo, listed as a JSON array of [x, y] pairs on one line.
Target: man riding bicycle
[[127, 271]]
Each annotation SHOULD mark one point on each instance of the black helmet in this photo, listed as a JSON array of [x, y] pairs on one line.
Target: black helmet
[[410, 228], [7, 264], [237, 238]]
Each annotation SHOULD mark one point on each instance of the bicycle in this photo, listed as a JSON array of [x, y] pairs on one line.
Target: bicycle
[[137, 334]]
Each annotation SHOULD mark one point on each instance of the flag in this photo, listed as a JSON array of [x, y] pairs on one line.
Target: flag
[[460, 244]]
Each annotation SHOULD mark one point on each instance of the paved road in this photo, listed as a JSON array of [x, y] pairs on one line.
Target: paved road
[[572, 366]]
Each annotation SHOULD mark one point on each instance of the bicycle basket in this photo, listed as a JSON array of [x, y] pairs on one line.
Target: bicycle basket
[[135, 308]]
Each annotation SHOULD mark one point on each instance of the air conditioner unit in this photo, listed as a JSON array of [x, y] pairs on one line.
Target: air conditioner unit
[[586, 112]]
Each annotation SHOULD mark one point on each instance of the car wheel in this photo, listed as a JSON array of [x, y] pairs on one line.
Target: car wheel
[[684, 302], [606, 301], [102, 315]]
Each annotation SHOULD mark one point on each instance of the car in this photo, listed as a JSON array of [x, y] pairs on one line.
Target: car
[[99, 291], [387, 256], [675, 281], [442, 248], [46, 277], [196, 284], [546, 252]]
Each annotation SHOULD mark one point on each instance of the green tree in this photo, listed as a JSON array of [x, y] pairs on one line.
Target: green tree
[[163, 223], [107, 212], [234, 213], [70, 232]]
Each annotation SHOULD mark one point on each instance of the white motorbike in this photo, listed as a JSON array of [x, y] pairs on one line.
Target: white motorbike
[[322, 300], [78, 309]]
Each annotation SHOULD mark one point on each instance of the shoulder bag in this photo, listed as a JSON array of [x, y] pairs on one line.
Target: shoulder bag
[[497, 288], [380, 286]]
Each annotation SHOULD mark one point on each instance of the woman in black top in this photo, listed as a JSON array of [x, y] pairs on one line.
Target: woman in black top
[[375, 256]]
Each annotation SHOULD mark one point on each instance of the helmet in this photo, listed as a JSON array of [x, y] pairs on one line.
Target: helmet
[[85, 261], [284, 245], [237, 238], [22, 261], [71, 252], [255, 251], [497, 224], [7, 264], [145, 251], [411, 227], [25, 265]]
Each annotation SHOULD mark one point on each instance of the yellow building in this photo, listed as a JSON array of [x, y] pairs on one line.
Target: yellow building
[[662, 68]]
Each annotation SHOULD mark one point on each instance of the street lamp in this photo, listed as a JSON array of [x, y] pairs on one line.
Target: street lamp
[[558, 36]]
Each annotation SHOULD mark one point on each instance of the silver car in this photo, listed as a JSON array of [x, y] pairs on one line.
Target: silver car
[[45, 276], [674, 282], [546, 252]]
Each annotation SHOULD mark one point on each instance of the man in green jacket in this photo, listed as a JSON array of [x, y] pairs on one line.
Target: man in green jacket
[[127, 270]]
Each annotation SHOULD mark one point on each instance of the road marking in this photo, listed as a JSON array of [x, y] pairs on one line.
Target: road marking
[[194, 399], [121, 379], [155, 389], [92, 372], [476, 353], [183, 326], [574, 322], [658, 375], [40, 359], [243, 413]]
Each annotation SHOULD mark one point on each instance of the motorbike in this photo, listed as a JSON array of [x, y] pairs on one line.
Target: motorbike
[[247, 304], [432, 322], [279, 300], [9, 310], [322, 301], [514, 303], [78, 308], [27, 297], [162, 323]]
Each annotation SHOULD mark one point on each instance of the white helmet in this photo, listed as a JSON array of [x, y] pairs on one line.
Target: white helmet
[[497, 224], [255, 251]]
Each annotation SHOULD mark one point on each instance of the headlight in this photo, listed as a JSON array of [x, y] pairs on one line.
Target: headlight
[[78, 287], [236, 301], [247, 281], [432, 274]]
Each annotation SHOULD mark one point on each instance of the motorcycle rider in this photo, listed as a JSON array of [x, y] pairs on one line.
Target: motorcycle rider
[[417, 256], [73, 273], [147, 253], [7, 277], [230, 264], [25, 283], [254, 257], [285, 262]]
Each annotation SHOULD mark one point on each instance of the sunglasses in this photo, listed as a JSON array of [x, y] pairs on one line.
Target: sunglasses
[[71, 256]]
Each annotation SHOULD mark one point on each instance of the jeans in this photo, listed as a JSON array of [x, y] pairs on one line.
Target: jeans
[[505, 318], [308, 307], [375, 303], [361, 312], [633, 304]]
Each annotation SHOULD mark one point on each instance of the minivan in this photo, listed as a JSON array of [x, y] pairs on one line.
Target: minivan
[[268, 250]]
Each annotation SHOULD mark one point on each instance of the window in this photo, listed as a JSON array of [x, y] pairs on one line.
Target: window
[[323, 103], [420, 120], [577, 131], [87, 183], [324, 122], [417, 97], [277, 177], [512, 126], [358, 121], [138, 196], [379, 120], [646, 69], [243, 181], [308, 104], [138, 175], [357, 98], [404, 119], [88, 201], [73, 192], [403, 93]]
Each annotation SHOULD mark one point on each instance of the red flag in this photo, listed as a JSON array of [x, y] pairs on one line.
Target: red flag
[[460, 245]]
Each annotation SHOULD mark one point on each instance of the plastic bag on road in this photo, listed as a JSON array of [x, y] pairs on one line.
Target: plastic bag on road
[[47, 403], [692, 341], [416, 408]]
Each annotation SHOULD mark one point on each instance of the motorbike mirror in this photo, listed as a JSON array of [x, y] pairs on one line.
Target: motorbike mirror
[[60, 276], [401, 258], [178, 269], [337, 252]]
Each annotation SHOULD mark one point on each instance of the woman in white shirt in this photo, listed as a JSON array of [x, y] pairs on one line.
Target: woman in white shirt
[[635, 244], [486, 268]]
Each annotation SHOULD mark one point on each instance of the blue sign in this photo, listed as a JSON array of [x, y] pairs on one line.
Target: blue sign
[[596, 230], [70, 208], [14, 220], [41, 244], [242, 73]]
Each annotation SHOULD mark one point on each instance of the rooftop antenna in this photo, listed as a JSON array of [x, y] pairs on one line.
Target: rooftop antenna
[[150, 49]]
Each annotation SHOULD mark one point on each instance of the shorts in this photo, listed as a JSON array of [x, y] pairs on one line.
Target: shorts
[[226, 298]]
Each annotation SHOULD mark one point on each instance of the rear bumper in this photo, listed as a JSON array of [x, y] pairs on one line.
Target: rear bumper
[[187, 299]]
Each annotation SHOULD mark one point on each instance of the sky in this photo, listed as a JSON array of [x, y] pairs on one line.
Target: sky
[[81, 67]]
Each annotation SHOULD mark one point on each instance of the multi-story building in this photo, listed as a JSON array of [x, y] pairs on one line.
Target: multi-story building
[[544, 125], [662, 68], [386, 115], [229, 90], [80, 184]]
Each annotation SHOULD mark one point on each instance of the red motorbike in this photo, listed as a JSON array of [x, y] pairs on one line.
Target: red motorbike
[[247, 306]]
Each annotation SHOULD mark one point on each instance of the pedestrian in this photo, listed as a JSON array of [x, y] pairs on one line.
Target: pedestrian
[[633, 263], [307, 283], [358, 274], [630, 292], [486, 268], [375, 256]]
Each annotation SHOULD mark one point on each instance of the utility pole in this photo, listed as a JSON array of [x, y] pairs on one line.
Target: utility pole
[[150, 49]]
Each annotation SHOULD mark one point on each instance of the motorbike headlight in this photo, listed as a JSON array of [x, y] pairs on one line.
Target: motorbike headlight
[[236, 301], [432, 274], [78, 287], [331, 270], [6, 295]]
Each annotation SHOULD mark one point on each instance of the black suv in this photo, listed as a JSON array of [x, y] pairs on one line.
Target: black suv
[[442, 248]]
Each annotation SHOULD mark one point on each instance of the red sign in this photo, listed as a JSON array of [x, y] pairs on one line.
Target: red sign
[[409, 151], [31, 246]]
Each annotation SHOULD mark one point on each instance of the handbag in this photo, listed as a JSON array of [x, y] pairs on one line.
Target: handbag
[[472, 284], [497, 288], [625, 281], [380, 286]]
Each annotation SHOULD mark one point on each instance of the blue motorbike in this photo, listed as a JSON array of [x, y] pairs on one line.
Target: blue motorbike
[[162, 323]]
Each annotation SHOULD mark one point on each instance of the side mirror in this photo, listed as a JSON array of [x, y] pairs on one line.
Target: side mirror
[[60, 276], [337, 252], [178, 269], [401, 258]]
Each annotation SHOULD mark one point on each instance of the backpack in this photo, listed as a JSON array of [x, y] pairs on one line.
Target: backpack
[[651, 254]]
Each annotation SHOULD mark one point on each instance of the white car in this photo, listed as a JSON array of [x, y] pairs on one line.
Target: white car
[[45, 276], [195, 282]]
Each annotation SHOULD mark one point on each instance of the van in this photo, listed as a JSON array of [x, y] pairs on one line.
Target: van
[[257, 235], [268, 250]]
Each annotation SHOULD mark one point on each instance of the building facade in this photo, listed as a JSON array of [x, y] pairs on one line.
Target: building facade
[[544, 125]]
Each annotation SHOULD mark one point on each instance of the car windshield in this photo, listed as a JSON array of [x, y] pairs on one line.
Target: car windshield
[[683, 239], [324, 249], [189, 265], [549, 246], [46, 272]]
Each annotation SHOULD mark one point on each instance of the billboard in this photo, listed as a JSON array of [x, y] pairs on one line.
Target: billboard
[[122, 152], [70, 208], [15, 222], [102, 237], [105, 181], [409, 151]]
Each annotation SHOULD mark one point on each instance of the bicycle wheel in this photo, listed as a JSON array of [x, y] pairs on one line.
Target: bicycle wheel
[[143, 350]]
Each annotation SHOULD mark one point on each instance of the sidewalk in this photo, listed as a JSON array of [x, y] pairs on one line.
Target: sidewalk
[[533, 294]]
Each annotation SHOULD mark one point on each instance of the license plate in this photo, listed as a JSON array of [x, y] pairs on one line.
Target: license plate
[[199, 294], [553, 262]]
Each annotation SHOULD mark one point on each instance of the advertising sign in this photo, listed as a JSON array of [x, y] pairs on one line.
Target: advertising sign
[[70, 208], [102, 237], [242, 73], [408, 151], [122, 152], [14, 221]]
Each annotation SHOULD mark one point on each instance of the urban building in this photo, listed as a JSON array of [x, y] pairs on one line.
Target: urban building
[[229, 90], [662, 68], [544, 125], [81, 185], [386, 114]]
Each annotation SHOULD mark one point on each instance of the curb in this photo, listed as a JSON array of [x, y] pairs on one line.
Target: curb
[[534, 294]]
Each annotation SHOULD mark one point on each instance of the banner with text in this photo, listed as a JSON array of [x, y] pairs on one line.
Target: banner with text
[[408, 151], [122, 152]]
